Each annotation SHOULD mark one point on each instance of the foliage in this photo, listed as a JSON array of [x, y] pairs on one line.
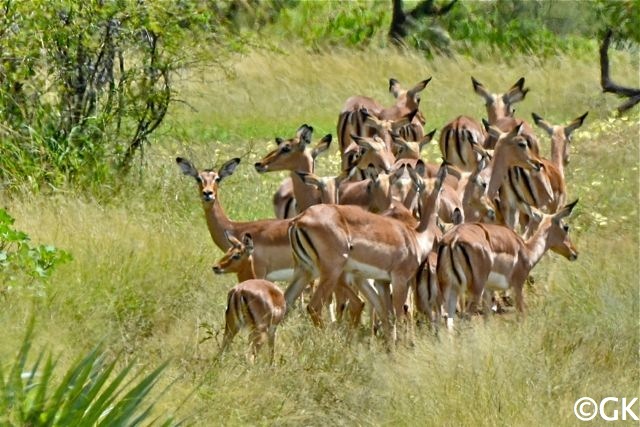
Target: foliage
[[92, 392], [20, 259], [324, 24], [84, 84]]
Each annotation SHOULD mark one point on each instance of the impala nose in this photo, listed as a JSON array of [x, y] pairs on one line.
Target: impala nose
[[217, 269], [207, 195], [573, 257], [260, 167]]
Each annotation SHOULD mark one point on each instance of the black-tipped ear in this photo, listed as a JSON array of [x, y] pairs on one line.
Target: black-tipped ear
[[457, 217], [431, 134], [187, 167], [327, 138], [306, 132], [247, 241], [228, 168], [279, 140], [486, 124], [565, 211], [536, 118]]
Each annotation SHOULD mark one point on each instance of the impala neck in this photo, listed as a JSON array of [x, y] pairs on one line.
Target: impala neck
[[304, 194], [538, 244], [247, 271], [218, 222], [499, 168], [557, 152]]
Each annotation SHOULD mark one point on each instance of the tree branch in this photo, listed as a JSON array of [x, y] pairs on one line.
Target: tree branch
[[605, 79]]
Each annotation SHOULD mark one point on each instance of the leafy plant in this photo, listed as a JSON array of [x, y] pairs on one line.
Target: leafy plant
[[19, 258], [92, 392]]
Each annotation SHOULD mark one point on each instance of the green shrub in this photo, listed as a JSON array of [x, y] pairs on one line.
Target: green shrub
[[19, 259]]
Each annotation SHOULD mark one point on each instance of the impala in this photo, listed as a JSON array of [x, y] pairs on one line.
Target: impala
[[295, 154], [330, 241], [272, 258], [476, 257], [458, 137], [351, 121], [545, 189], [256, 303]]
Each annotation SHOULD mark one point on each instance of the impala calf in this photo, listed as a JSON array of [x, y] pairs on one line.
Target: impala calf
[[255, 303], [474, 258]]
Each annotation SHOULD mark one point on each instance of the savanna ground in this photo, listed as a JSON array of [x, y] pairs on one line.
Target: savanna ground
[[141, 279]]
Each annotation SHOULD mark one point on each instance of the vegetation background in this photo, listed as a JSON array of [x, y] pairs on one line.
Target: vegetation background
[[103, 243]]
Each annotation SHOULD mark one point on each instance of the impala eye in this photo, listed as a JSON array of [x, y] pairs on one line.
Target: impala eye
[[235, 257], [565, 228], [285, 148], [199, 179]]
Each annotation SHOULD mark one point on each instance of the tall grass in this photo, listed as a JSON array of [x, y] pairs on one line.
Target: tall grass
[[141, 279]]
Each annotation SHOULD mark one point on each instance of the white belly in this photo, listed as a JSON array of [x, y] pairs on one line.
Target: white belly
[[366, 270], [284, 275], [497, 282]]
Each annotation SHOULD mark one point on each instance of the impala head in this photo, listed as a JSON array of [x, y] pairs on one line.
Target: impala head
[[500, 104], [558, 239], [406, 100], [373, 151], [326, 186], [385, 128], [516, 148], [208, 180], [560, 135], [237, 256], [294, 153], [404, 149], [477, 204]]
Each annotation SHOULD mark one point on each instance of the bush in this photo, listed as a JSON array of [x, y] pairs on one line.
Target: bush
[[21, 260]]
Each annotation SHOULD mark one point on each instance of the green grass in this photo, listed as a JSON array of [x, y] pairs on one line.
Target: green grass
[[141, 281]]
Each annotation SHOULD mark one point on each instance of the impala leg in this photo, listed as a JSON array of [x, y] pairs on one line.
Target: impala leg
[[301, 278], [271, 335], [451, 303], [373, 298], [320, 298]]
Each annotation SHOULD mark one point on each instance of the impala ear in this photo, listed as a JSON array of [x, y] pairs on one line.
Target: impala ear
[[304, 133], [228, 168], [420, 168], [575, 124], [457, 217], [517, 92], [187, 167], [542, 124], [279, 140], [418, 88], [247, 241], [565, 211], [427, 139], [394, 87], [231, 238], [322, 146], [481, 90]]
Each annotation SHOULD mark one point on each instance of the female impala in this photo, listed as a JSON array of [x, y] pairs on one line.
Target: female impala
[[256, 303], [295, 154], [476, 257]]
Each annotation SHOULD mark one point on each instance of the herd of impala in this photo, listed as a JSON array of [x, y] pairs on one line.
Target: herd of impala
[[392, 230]]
